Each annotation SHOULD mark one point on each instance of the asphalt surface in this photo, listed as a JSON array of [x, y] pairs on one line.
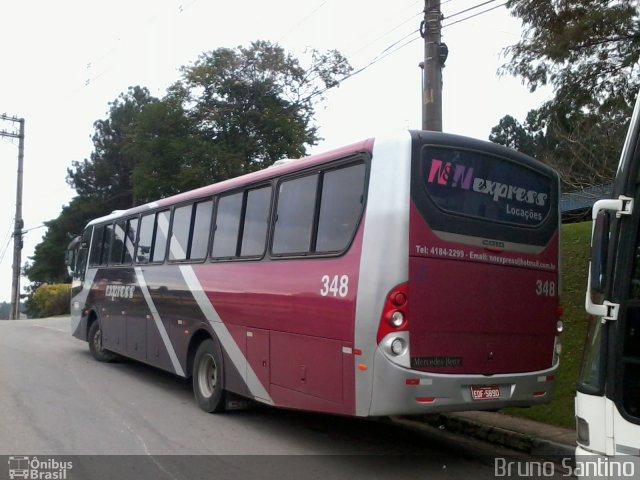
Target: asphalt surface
[[128, 420]]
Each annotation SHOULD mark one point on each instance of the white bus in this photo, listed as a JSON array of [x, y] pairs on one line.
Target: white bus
[[608, 391]]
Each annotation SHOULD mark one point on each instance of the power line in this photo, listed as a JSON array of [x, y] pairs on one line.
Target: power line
[[469, 9], [307, 17], [475, 15], [387, 33], [315, 77], [375, 60], [8, 238], [119, 43]]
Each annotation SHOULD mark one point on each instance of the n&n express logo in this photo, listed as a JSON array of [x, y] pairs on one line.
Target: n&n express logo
[[462, 176]]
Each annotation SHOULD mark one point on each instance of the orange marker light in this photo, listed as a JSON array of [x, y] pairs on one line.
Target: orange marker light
[[363, 367]]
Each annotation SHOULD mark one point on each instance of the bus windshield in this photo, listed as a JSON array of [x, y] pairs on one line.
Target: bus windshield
[[492, 194], [485, 187]]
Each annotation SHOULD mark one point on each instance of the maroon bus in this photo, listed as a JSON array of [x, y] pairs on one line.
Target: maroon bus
[[402, 275]]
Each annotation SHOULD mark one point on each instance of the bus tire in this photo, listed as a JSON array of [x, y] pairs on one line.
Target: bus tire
[[208, 377], [95, 344]]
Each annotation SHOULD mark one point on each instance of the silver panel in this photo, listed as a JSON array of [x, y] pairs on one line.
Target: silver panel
[[385, 252]]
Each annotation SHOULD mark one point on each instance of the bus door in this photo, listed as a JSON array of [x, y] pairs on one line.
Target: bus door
[[611, 361], [614, 297]]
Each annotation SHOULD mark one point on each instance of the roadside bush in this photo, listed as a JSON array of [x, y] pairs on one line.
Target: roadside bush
[[51, 300]]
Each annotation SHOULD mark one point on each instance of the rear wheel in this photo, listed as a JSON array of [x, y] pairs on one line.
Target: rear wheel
[[208, 377], [95, 344]]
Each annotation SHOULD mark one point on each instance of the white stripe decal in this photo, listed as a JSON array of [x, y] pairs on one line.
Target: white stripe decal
[[156, 318], [80, 300], [230, 346]]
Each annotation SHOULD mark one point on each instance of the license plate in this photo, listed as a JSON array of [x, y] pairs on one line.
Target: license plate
[[485, 392]]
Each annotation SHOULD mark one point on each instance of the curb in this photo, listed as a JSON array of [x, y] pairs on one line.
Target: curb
[[519, 441]]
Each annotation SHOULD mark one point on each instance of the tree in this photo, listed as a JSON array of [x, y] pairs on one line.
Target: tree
[[583, 148], [47, 263], [255, 105], [588, 51], [106, 175], [232, 112], [511, 133]]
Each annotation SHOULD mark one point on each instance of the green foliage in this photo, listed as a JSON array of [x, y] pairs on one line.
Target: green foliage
[[106, 176], [47, 263], [576, 239], [52, 300], [583, 148], [588, 51], [232, 111]]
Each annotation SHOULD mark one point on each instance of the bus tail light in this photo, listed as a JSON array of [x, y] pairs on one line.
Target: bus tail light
[[394, 313]]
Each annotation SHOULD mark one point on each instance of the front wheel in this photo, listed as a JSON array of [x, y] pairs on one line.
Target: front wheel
[[208, 377], [95, 344]]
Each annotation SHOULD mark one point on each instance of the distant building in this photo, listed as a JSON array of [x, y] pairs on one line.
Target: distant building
[[576, 206]]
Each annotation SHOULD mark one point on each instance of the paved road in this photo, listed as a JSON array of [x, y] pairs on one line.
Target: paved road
[[56, 400]]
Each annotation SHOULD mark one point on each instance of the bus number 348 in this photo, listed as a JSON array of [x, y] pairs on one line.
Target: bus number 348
[[546, 288], [336, 286]]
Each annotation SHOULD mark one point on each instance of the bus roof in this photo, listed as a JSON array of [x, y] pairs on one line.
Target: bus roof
[[293, 165], [289, 166]]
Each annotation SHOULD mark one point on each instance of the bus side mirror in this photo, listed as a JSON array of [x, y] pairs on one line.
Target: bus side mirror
[[602, 209], [69, 262], [599, 248]]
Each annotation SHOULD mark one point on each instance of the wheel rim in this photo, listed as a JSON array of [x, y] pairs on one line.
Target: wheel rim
[[97, 341], [207, 375]]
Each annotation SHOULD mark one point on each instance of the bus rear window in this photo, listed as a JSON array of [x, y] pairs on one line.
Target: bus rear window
[[483, 186]]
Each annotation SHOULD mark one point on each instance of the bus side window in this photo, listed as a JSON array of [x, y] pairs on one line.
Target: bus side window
[[130, 240], [96, 246], [227, 226], [179, 243], [200, 230], [340, 207], [106, 247], [143, 250], [256, 222], [117, 247], [160, 236], [295, 215]]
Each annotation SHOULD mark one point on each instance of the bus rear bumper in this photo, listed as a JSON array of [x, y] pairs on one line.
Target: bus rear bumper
[[399, 390]]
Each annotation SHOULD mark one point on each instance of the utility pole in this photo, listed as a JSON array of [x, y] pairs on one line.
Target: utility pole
[[19, 222], [435, 54]]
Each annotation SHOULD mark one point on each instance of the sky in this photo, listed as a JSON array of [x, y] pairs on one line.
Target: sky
[[63, 62]]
